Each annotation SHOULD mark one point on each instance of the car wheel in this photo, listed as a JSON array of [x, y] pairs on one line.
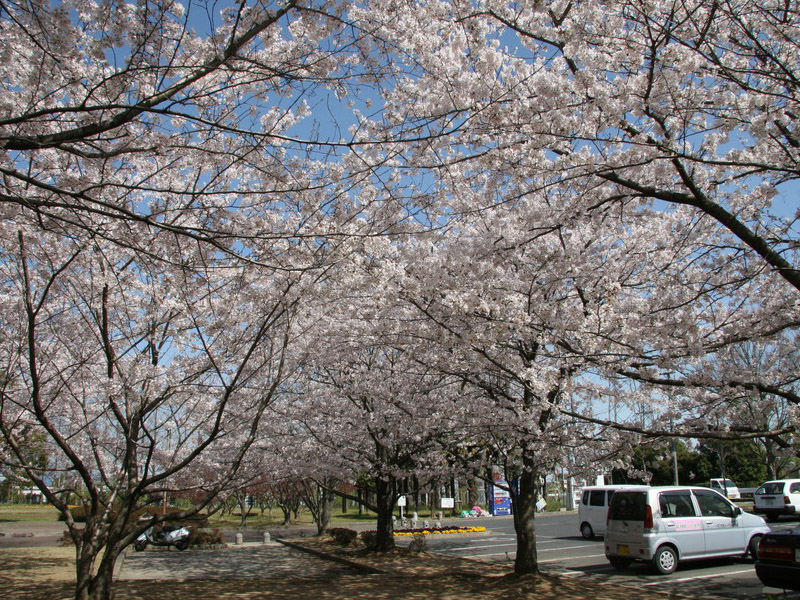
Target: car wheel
[[182, 544], [139, 545], [586, 531], [620, 563], [752, 547], [666, 560]]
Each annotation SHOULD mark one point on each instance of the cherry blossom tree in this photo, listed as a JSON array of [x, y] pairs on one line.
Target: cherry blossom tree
[[162, 219], [373, 410], [133, 371], [612, 168]]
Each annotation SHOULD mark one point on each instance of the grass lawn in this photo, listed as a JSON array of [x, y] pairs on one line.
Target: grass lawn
[[46, 512], [27, 512]]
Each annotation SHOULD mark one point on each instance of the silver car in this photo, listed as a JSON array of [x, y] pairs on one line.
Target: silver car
[[667, 524]]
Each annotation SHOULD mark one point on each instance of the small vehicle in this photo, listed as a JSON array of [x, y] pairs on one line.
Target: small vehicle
[[593, 508], [778, 563], [726, 487], [778, 497], [168, 536], [663, 525]]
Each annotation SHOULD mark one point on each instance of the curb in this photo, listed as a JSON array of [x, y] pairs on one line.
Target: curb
[[337, 559]]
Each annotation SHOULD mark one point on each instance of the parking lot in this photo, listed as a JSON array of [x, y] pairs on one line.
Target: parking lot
[[561, 549]]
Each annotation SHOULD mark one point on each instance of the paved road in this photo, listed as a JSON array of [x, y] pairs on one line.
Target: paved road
[[562, 549]]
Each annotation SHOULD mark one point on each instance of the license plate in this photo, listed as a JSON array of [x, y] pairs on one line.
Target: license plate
[[769, 500], [623, 549]]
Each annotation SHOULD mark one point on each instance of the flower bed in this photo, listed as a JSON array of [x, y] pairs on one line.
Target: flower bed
[[439, 530]]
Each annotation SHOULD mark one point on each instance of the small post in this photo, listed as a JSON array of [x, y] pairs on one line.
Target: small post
[[239, 539], [266, 537]]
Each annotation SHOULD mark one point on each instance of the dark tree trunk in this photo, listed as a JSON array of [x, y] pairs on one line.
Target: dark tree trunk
[[524, 510], [386, 495], [472, 492]]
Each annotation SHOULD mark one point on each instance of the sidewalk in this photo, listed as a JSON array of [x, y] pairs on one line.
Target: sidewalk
[[249, 560], [27, 534]]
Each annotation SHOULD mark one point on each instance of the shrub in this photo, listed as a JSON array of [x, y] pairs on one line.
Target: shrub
[[343, 536], [369, 538], [65, 539], [418, 544], [207, 537], [78, 515]]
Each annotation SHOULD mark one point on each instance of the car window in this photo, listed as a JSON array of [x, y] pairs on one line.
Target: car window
[[676, 504], [712, 504], [597, 498], [628, 506], [773, 487], [585, 498], [795, 489]]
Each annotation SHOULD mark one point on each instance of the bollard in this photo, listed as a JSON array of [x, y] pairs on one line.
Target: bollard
[[266, 537], [238, 539], [438, 524]]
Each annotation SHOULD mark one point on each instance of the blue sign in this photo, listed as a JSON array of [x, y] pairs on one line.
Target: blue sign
[[500, 497]]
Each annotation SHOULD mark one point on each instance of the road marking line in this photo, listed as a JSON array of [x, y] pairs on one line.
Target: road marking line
[[696, 577], [472, 547], [552, 560]]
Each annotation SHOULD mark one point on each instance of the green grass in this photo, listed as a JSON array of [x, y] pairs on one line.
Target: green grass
[[27, 512], [304, 519]]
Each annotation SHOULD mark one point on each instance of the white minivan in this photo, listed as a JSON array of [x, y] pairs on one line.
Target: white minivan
[[726, 487], [776, 498], [667, 524], [593, 508]]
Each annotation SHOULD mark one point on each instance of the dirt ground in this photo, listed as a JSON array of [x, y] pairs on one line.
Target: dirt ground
[[46, 573]]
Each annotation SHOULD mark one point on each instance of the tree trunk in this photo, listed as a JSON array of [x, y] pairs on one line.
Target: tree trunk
[[241, 500], [436, 497], [325, 510], [386, 493], [524, 510], [472, 492], [94, 584]]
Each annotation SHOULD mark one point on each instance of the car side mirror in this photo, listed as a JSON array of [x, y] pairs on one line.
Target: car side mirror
[[737, 510]]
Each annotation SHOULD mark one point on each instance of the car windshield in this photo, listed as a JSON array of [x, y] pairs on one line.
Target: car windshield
[[773, 487], [627, 506]]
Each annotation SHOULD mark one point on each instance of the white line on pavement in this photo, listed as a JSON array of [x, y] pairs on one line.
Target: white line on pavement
[[696, 577], [582, 557]]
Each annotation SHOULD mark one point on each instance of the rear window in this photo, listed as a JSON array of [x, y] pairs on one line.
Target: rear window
[[628, 506], [773, 487]]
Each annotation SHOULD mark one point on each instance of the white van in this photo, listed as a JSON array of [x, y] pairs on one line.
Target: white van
[[726, 487], [593, 508], [776, 498], [667, 524]]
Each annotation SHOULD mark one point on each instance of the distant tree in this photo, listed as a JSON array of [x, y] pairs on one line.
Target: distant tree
[[739, 460]]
